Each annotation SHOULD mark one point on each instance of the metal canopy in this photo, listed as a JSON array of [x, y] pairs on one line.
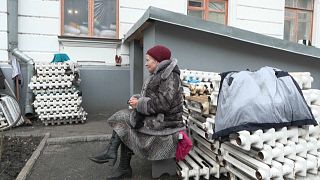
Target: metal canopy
[[153, 14]]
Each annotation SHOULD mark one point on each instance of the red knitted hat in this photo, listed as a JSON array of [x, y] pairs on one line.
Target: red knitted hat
[[159, 53]]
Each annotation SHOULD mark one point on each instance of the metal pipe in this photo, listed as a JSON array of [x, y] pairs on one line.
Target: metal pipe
[[29, 112], [13, 48]]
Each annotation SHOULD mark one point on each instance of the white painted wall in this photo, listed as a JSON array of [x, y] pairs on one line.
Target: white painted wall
[[316, 24], [3, 32], [98, 54], [260, 16], [131, 10], [39, 26]]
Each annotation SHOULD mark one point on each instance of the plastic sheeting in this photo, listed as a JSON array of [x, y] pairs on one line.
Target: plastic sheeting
[[267, 98]]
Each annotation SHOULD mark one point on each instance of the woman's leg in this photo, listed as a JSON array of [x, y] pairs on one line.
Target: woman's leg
[[124, 169], [111, 151]]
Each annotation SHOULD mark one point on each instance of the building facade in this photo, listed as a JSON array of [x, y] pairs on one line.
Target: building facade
[[91, 31]]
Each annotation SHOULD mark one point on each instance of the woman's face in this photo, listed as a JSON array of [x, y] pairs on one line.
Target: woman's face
[[151, 63]]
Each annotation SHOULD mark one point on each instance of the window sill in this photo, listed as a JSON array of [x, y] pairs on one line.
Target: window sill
[[89, 42], [103, 66]]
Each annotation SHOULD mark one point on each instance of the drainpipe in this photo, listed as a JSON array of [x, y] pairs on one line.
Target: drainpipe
[[13, 48], [28, 111]]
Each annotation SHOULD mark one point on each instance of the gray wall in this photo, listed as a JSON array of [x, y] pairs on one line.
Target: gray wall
[[138, 71], [149, 40], [104, 88], [136, 67], [203, 51]]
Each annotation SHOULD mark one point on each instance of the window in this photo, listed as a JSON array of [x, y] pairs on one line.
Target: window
[[298, 20], [89, 18], [210, 10]]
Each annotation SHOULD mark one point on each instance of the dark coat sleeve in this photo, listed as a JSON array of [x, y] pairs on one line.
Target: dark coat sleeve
[[161, 103]]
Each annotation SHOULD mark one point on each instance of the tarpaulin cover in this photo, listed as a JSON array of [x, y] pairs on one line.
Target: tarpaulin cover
[[267, 98]]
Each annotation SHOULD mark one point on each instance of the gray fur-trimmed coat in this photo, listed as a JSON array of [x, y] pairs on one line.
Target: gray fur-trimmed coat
[[161, 101]]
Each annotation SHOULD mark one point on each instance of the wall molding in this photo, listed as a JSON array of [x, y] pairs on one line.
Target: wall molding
[[89, 42], [37, 34], [44, 17], [135, 8], [260, 7]]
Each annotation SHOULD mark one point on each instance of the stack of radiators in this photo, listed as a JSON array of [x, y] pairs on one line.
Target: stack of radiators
[[10, 113], [200, 103], [57, 100], [276, 153]]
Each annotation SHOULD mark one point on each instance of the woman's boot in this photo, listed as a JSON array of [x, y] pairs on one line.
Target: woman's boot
[[124, 169], [110, 153]]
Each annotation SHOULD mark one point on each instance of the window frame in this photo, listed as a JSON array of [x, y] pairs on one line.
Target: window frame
[[90, 21], [296, 10], [206, 10]]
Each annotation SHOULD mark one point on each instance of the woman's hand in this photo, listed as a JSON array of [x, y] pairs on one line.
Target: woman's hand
[[133, 102]]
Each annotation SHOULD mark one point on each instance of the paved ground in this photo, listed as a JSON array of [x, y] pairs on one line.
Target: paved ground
[[70, 162], [95, 125]]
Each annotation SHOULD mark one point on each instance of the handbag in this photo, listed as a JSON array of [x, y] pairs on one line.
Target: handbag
[[183, 147]]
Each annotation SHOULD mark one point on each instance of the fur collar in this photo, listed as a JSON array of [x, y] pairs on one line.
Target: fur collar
[[168, 66]]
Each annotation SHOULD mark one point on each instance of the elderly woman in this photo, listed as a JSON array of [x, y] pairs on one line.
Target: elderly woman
[[151, 128]]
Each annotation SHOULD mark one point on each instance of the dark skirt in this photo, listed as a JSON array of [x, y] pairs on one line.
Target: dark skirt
[[146, 146]]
